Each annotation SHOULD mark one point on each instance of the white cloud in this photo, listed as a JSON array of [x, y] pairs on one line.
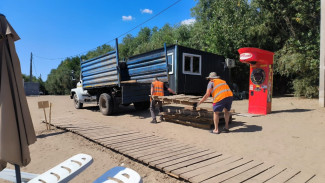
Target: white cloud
[[146, 11], [188, 21], [127, 18]]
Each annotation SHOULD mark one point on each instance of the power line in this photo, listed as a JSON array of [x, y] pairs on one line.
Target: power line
[[150, 18], [154, 16]]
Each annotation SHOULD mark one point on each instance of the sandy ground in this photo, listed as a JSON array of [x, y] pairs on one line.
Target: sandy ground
[[292, 136]]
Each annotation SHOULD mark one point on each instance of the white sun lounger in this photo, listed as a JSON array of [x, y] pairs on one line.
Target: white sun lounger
[[63, 172], [119, 174]]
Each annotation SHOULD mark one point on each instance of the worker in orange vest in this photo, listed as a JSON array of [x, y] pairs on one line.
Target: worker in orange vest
[[157, 89], [222, 100]]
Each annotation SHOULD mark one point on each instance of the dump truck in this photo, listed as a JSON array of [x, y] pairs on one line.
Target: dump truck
[[107, 81]]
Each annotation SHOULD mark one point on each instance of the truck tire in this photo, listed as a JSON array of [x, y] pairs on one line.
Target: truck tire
[[77, 104], [139, 106], [106, 104]]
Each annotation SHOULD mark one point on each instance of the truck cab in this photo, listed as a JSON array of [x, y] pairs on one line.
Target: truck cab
[[80, 96]]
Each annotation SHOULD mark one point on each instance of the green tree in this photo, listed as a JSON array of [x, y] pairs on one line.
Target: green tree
[[295, 26], [290, 28]]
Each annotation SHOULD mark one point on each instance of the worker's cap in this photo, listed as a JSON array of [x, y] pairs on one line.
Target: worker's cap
[[213, 75]]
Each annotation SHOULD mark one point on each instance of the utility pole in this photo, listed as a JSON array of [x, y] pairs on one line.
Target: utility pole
[[322, 56], [31, 73]]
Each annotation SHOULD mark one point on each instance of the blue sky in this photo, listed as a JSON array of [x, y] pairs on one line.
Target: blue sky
[[64, 28]]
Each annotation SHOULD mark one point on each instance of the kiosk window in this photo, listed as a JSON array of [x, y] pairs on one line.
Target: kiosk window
[[191, 64]]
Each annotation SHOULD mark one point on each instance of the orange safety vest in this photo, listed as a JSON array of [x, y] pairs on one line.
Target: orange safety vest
[[158, 88], [220, 90]]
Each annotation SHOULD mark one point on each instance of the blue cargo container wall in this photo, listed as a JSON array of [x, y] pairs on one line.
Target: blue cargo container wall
[[143, 68], [100, 71], [185, 69]]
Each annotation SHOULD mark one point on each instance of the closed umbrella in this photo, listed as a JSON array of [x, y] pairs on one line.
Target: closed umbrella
[[16, 127]]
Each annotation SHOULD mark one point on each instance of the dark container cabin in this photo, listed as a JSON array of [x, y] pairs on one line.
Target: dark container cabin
[[185, 70]]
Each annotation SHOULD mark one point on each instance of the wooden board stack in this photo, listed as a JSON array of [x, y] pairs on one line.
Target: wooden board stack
[[179, 109]]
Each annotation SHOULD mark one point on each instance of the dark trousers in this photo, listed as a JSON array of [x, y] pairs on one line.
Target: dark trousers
[[153, 104]]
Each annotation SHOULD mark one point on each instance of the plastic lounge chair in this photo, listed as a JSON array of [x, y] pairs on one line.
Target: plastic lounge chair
[[119, 174], [63, 172]]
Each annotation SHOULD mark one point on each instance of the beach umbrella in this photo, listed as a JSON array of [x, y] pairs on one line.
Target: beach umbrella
[[16, 127]]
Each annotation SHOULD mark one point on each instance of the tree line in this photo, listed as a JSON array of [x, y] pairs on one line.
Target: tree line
[[290, 28]]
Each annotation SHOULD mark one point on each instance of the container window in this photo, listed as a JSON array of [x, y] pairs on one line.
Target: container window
[[191, 64], [187, 64], [196, 64], [170, 63]]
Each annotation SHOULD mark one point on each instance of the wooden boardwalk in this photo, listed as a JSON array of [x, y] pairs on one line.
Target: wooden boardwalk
[[182, 160]]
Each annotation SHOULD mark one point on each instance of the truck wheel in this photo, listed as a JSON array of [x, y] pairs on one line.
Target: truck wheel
[[106, 104], [77, 104], [141, 105]]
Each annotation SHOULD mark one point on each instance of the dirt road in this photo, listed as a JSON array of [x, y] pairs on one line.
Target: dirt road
[[292, 137]]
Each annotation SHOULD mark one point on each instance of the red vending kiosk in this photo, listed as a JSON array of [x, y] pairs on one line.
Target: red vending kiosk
[[260, 80]]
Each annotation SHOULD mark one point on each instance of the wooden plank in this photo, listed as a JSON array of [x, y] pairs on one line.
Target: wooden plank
[[196, 172], [192, 118], [198, 125], [163, 144], [162, 155], [140, 147], [207, 162], [106, 134], [283, 176], [136, 143], [145, 141], [111, 142], [120, 137], [127, 139], [140, 144], [93, 128], [97, 130], [266, 175], [111, 135], [212, 172], [183, 159], [245, 175], [100, 134], [193, 161], [302, 177], [175, 157], [161, 148], [131, 140]]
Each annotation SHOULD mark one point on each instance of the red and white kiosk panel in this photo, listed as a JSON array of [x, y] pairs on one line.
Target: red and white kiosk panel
[[260, 80]]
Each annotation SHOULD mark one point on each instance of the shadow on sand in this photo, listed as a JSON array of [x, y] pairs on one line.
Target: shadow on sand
[[243, 127], [92, 108], [50, 134], [129, 110], [292, 111]]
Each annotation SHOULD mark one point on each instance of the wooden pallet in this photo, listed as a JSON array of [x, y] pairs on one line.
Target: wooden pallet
[[180, 99], [180, 110], [181, 160]]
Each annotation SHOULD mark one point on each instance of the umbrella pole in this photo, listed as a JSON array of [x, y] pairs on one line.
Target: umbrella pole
[[17, 170]]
